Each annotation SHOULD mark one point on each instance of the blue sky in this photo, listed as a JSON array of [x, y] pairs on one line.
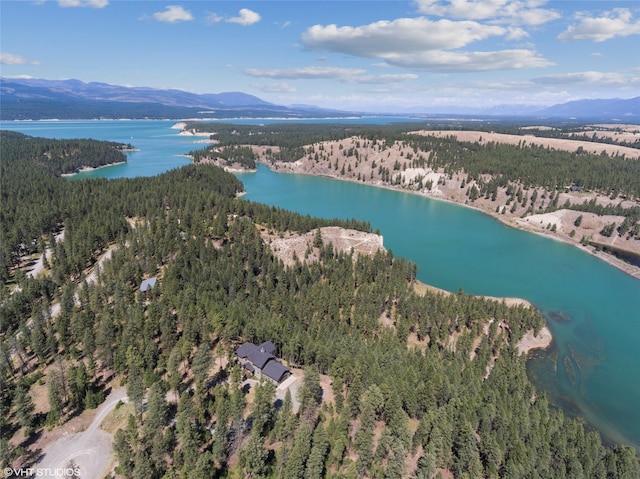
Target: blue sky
[[366, 55]]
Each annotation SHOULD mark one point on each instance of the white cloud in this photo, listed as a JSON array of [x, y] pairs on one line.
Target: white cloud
[[83, 3], [213, 18], [475, 10], [401, 35], [21, 77], [245, 17], [306, 73], [526, 12], [11, 59], [616, 23], [448, 61], [587, 78], [535, 16], [516, 33], [276, 88], [423, 44], [346, 75], [173, 13], [386, 78]]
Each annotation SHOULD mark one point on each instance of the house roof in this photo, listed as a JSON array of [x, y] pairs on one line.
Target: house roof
[[260, 357], [246, 349], [275, 370], [148, 284], [254, 354], [249, 367], [267, 347]]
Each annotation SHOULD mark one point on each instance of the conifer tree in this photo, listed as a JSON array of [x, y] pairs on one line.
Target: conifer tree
[[295, 465], [24, 407], [55, 394], [253, 457]]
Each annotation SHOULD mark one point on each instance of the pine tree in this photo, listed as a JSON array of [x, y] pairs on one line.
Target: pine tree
[[263, 411], [135, 388], [253, 457], [318, 455], [286, 421], [157, 409], [124, 453], [310, 392], [56, 402], [201, 364], [24, 407], [295, 466]]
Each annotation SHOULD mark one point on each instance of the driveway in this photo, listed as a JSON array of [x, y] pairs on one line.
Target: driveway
[[90, 450]]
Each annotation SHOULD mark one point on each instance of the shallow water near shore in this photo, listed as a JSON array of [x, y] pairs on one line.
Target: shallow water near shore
[[592, 309]]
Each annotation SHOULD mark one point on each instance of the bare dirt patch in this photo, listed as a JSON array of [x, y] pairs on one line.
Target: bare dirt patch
[[79, 440], [303, 247], [529, 341], [626, 133], [117, 419], [421, 289], [327, 390], [483, 137]]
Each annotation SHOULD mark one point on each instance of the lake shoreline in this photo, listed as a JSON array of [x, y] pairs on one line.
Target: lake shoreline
[[529, 340], [627, 268], [86, 169]]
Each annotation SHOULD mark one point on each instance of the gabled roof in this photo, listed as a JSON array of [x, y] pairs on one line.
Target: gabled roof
[[148, 284], [246, 349], [254, 354], [267, 347], [259, 359], [275, 370]]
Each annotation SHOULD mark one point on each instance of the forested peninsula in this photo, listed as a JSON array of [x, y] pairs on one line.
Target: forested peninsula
[[392, 380], [573, 184]]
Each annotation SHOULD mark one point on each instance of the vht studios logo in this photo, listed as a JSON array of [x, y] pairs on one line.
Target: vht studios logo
[[58, 472]]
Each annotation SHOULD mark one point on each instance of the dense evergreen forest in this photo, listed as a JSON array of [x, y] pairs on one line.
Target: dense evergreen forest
[[531, 166], [395, 383]]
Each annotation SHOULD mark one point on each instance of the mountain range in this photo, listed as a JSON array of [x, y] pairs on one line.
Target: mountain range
[[38, 99]]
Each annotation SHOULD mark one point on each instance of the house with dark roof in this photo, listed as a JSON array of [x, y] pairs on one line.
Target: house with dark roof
[[260, 361]]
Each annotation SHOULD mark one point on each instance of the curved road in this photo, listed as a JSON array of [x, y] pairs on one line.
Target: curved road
[[91, 449]]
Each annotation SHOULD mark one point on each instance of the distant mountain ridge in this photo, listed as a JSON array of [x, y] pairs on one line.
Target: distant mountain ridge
[[621, 109], [37, 99], [107, 92]]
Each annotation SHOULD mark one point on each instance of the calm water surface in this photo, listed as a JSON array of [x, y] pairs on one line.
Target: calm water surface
[[593, 309]]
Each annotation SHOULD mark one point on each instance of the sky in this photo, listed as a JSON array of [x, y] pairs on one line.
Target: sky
[[374, 55]]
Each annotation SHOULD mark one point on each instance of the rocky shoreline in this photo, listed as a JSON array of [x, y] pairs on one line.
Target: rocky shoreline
[[452, 188], [399, 167]]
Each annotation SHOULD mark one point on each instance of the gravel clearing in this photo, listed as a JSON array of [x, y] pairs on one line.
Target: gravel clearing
[[90, 450]]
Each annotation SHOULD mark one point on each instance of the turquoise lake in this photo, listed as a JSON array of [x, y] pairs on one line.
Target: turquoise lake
[[592, 309]]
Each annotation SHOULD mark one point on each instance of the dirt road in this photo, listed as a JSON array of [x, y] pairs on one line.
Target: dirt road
[[90, 450]]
